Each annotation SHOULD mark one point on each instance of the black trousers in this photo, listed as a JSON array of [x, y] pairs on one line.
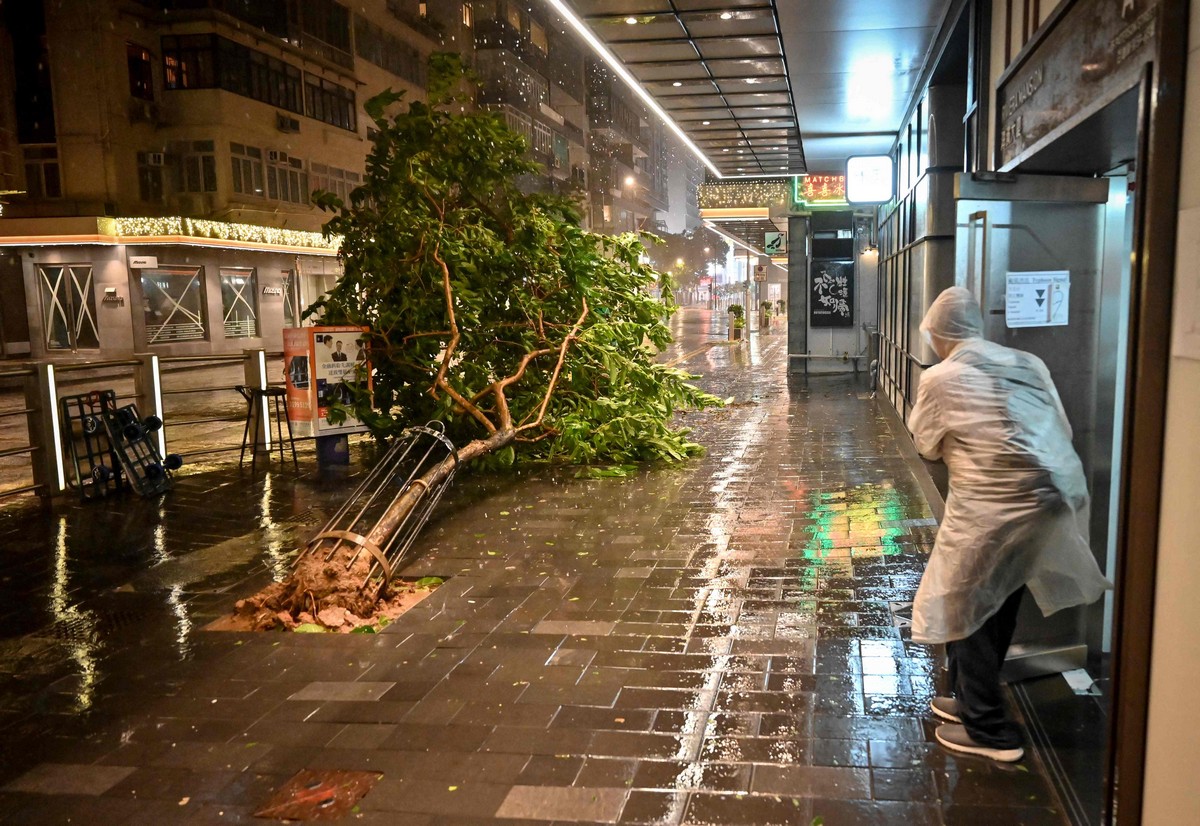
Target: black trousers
[[975, 664]]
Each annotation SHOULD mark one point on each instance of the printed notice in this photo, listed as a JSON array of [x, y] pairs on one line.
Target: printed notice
[[1037, 299]]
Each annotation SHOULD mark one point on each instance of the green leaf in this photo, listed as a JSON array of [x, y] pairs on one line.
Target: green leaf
[[429, 582], [310, 628]]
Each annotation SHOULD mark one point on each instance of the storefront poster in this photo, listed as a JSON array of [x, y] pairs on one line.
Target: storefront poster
[[832, 294]]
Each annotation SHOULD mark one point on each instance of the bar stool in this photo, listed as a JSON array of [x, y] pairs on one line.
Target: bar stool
[[256, 399]]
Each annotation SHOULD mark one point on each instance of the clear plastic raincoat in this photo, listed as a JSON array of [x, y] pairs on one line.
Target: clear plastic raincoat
[[1017, 512]]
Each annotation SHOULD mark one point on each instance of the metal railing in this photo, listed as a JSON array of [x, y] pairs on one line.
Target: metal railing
[[16, 460], [206, 415]]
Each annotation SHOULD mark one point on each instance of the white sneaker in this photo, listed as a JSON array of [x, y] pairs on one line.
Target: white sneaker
[[956, 739], [946, 708]]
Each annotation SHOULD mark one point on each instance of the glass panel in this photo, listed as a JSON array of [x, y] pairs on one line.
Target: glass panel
[[291, 300], [55, 307], [238, 297], [83, 299], [174, 304]]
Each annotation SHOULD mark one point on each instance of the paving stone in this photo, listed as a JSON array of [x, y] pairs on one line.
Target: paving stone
[[346, 692], [598, 805], [64, 778]]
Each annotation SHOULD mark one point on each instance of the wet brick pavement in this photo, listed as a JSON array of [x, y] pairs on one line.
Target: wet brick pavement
[[707, 645]]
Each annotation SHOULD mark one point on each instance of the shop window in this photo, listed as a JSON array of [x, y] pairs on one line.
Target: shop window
[[42, 179], [239, 298], [247, 168], [150, 178], [141, 75], [173, 301], [68, 307], [197, 168]]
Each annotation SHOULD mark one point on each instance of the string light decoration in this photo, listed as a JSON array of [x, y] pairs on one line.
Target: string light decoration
[[134, 228], [744, 193]]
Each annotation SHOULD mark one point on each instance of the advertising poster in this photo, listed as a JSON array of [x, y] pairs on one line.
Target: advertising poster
[[297, 373], [337, 352], [319, 364], [832, 294]]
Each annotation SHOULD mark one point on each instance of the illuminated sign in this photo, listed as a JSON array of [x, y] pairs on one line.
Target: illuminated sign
[[869, 179], [821, 190]]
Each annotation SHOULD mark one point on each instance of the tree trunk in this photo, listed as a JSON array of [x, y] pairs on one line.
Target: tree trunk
[[317, 584]]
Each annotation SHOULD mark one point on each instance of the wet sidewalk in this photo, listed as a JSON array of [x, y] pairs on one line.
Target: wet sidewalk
[[718, 644]]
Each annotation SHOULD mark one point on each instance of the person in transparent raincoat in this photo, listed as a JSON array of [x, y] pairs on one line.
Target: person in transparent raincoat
[[1016, 516]]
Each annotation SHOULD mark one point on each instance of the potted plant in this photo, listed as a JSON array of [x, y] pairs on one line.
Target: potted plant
[[737, 321], [764, 315]]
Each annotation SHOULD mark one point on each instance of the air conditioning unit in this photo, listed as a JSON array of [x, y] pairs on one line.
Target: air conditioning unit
[[274, 156], [155, 159], [286, 124]]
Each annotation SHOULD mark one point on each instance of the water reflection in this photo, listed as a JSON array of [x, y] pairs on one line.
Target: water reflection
[[78, 625]]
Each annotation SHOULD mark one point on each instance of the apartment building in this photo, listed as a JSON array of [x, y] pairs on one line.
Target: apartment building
[[164, 153], [158, 157]]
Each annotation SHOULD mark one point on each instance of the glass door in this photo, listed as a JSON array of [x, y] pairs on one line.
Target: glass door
[[68, 307]]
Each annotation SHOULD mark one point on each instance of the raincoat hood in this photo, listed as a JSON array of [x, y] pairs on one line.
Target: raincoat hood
[[954, 316]]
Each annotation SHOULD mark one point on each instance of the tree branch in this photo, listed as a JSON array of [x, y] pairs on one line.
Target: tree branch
[[440, 379], [562, 357]]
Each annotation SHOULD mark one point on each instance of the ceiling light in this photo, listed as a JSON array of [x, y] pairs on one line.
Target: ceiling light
[[630, 180], [706, 122], [752, 80], [631, 21], [677, 83], [618, 68], [724, 150], [726, 15], [766, 120]]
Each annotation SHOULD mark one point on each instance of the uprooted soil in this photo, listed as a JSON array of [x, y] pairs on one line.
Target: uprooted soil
[[402, 595]]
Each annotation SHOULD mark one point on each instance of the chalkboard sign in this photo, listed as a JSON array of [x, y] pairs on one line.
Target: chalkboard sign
[[832, 294]]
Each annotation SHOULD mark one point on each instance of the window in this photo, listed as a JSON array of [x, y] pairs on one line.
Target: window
[[330, 103], [514, 16], [327, 21], [150, 179], [543, 139], [173, 302], [247, 168], [331, 179], [422, 10], [388, 52], [197, 169], [537, 36], [468, 15], [68, 306], [286, 178], [208, 61], [239, 298], [189, 62], [141, 75], [42, 178]]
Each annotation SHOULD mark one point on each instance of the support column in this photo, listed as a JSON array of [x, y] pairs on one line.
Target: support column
[[797, 315]]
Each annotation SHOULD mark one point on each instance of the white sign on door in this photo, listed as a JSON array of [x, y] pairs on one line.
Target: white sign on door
[[1037, 299], [774, 292]]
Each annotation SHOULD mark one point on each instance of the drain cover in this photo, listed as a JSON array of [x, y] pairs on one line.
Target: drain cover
[[318, 795]]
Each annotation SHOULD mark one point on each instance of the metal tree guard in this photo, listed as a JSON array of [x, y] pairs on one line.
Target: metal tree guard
[[400, 472]]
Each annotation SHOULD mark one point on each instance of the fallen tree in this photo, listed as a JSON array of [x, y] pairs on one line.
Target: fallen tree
[[492, 311]]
